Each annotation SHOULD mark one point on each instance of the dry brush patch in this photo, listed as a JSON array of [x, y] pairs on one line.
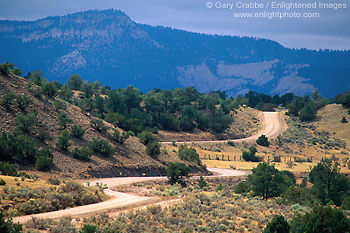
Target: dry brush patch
[[201, 211]]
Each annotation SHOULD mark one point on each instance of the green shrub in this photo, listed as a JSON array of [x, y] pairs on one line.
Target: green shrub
[[344, 120], [54, 181], [153, 149], [115, 136], [49, 90], [23, 101], [88, 228], [8, 226], [8, 169], [43, 135], [63, 141], [173, 142], [176, 172], [277, 225], [249, 156], [83, 153], [102, 147], [77, 131], [242, 187], [25, 123], [147, 137], [220, 187], [64, 120], [188, 154], [7, 100], [263, 141], [230, 143], [321, 219], [202, 183], [2, 182], [99, 126], [5, 68], [44, 162], [60, 105], [36, 92]]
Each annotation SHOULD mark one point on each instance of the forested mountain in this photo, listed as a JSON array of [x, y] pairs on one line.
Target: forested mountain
[[108, 46]]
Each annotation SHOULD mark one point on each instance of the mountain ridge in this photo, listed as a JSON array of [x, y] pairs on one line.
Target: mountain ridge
[[108, 46]]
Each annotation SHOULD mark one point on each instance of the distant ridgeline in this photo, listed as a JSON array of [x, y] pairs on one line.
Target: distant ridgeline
[[108, 46], [177, 110]]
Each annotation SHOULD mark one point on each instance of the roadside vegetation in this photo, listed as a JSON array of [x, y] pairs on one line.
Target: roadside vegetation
[[26, 194]]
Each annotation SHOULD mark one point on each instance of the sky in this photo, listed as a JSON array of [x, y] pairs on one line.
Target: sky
[[309, 25]]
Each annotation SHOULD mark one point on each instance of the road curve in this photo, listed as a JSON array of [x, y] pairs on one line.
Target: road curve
[[272, 124], [118, 199]]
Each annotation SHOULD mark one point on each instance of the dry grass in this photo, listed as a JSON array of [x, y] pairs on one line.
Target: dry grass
[[11, 182]]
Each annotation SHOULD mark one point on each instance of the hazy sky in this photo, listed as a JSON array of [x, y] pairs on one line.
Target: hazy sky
[[329, 30]]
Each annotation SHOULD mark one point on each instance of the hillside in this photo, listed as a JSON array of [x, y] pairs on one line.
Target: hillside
[[130, 158], [303, 145], [108, 46], [246, 122]]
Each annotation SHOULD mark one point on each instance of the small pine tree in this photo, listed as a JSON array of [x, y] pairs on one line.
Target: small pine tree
[[279, 140], [64, 120], [63, 141], [277, 225], [344, 120], [77, 131], [202, 183], [263, 141], [44, 162]]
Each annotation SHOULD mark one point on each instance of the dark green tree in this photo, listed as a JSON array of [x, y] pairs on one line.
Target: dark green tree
[[44, 161], [308, 112], [7, 100], [328, 183], [153, 149], [250, 155], [188, 154], [23, 101], [266, 181], [321, 219], [344, 120], [64, 141], [277, 225], [75, 82], [26, 123], [176, 172], [263, 141], [202, 183], [7, 226], [83, 153], [77, 131], [50, 90], [102, 147]]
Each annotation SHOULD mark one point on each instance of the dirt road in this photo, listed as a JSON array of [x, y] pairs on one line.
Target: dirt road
[[272, 125], [118, 200]]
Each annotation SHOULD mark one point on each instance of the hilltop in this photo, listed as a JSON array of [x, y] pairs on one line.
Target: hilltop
[[110, 47]]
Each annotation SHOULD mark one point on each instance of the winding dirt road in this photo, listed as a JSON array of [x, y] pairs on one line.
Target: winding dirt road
[[272, 125]]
